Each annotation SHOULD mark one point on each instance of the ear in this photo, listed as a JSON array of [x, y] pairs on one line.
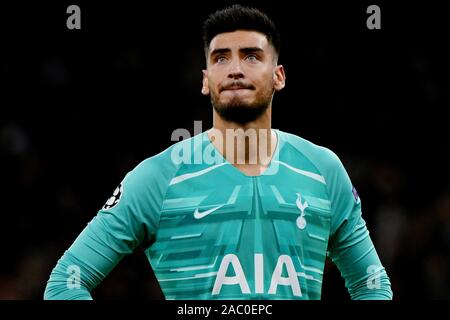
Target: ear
[[205, 87], [279, 78]]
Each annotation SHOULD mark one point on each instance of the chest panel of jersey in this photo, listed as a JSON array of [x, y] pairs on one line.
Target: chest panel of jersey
[[255, 231]]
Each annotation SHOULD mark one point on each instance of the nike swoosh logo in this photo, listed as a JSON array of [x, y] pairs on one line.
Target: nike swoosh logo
[[199, 215]]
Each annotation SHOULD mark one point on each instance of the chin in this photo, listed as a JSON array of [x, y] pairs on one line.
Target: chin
[[237, 102]]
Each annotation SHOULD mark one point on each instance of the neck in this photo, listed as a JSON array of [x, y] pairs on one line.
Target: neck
[[247, 146]]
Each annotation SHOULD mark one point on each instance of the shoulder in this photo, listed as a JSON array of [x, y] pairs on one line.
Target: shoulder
[[163, 166], [322, 158]]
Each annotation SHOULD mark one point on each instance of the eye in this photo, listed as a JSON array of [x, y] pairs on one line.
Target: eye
[[221, 59], [251, 58]]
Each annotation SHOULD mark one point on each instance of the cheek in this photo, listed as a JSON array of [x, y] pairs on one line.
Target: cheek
[[216, 74], [212, 83], [265, 83], [263, 76]]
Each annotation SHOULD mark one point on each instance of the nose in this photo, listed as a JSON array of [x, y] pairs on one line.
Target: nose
[[235, 71]]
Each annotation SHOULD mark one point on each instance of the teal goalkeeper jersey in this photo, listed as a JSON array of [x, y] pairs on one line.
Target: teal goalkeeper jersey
[[211, 232]]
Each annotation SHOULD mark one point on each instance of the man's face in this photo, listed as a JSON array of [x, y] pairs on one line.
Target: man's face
[[241, 75]]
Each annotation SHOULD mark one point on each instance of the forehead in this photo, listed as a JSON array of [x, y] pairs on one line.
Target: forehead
[[239, 39]]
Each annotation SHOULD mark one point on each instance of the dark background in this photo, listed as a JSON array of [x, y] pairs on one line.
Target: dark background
[[80, 108]]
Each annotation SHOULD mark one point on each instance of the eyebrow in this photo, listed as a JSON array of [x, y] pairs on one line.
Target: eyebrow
[[251, 49], [219, 51], [243, 50]]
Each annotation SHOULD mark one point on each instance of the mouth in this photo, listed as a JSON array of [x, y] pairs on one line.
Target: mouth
[[235, 88]]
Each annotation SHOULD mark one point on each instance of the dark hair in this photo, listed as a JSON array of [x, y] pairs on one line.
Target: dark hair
[[238, 17]]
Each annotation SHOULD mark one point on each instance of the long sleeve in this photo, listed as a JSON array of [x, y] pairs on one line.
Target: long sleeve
[[351, 247], [84, 265], [129, 218]]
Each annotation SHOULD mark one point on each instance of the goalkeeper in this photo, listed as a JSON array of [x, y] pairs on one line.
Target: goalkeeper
[[256, 224]]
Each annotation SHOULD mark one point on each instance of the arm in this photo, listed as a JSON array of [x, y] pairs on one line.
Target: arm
[[85, 264], [351, 247], [117, 230]]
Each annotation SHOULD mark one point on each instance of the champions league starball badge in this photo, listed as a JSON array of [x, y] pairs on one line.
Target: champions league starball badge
[[114, 199]]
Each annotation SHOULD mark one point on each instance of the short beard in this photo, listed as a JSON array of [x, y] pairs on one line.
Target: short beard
[[241, 113]]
